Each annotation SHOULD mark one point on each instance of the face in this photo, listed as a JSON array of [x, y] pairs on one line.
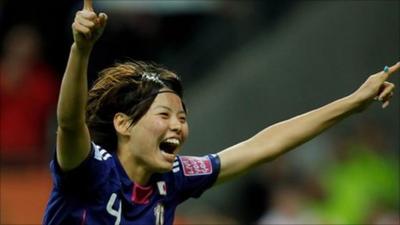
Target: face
[[158, 136]]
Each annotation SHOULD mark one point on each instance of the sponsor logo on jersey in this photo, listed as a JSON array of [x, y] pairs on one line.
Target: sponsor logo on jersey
[[195, 166], [159, 214]]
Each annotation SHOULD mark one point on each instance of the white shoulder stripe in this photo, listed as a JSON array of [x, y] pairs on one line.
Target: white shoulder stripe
[[100, 154], [103, 151], [106, 156], [97, 154]]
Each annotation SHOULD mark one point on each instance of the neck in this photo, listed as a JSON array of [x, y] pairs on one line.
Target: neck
[[134, 169]]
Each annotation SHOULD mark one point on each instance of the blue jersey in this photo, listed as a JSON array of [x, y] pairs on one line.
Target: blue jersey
[[100, 192]]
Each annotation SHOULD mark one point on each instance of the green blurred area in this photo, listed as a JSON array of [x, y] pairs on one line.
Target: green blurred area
[[361, 185]]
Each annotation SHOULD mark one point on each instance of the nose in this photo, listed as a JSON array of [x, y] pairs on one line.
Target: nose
[[175, 125]]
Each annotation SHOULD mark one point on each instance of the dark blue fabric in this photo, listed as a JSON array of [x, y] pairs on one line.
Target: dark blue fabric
[[81, 196]]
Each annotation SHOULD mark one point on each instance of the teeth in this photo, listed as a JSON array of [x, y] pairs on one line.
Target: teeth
[[174, 141]]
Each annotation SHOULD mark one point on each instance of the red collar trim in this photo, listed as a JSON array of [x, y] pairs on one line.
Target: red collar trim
[[140, 194]]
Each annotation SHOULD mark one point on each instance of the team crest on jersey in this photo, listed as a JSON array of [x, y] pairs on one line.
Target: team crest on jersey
[[162, 188], [194, 166]]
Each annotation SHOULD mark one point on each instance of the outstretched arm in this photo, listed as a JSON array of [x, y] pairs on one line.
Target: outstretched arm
[[284, 136], [73, 139]]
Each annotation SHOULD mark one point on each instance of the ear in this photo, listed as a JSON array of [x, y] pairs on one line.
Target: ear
[[121, 123]]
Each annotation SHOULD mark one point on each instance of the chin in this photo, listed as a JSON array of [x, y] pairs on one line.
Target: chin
[[164, 167], [164, 170]]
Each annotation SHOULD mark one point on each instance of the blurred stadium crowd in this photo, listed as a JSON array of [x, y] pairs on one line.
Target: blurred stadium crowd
[[348, 176]]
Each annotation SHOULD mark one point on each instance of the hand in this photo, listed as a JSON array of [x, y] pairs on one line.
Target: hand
[[88, 26], [376, 88]]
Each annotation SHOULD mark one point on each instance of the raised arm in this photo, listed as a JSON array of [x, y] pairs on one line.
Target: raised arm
[[284, 136], [73, 139]]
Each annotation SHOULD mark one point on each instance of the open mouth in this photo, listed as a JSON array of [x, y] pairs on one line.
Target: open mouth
[[169, 145]]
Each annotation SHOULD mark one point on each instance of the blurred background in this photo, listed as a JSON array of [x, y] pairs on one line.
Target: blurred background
[[245, 65]]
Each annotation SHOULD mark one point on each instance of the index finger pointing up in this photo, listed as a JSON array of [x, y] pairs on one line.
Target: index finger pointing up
[[88, 5]]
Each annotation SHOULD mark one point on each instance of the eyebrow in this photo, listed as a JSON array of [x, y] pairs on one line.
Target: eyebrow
[[168, 108]]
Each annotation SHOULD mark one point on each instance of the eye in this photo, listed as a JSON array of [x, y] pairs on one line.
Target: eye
[[164, 115], [182, 119]]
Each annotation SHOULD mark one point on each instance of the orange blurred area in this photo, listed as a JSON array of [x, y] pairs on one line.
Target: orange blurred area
[[23, 195]]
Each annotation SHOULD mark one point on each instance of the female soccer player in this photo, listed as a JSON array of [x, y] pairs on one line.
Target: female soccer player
[[117, 156]]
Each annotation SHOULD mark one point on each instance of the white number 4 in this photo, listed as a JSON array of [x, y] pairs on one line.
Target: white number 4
[[113, 212]]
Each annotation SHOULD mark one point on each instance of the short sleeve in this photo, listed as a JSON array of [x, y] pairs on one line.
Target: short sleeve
[[194, 175], [89, 175]]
